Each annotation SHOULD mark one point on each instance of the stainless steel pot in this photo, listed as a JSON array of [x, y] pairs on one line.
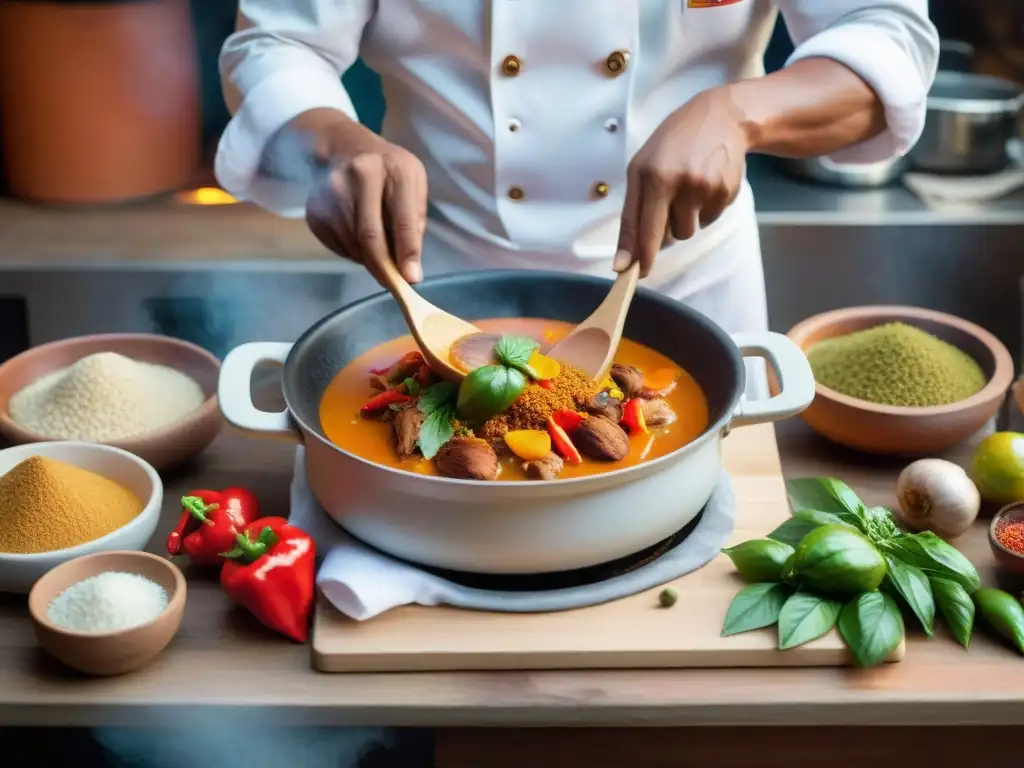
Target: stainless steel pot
[[971, 119], [514, 527], [855, 176]]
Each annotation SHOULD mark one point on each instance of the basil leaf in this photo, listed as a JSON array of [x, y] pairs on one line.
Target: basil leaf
[[436, 395], [936, 558], [825, 494], [412, 387], [437, 430], [488, 391], [806, 617], [872, 627], [759, 560], [819, 518], [792, 531], [913, 586], [515, 351], [755, 606], [956, 607]]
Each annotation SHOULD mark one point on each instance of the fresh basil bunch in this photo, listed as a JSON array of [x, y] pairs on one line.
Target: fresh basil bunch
[[491, 389], [839, 562]]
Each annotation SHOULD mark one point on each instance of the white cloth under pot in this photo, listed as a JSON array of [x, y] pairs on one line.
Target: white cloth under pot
[[363, 583]]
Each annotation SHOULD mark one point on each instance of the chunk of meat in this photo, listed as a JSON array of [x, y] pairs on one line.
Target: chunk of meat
[[601, 439], [544, 469], [405, 426], [603, 404], [657, 413], [407, 366], [629, 378], [467, 458]]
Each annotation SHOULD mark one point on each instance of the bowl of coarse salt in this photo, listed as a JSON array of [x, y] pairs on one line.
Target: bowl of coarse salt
[[151, 395], [110, 612], [61, 500]]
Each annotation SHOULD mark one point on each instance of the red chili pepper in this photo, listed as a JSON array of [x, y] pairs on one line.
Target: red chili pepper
[[568, 420], [424, 376], [633, 416], [270, 572], [561, 443], [383, 400], [209, 521], [544, 383]]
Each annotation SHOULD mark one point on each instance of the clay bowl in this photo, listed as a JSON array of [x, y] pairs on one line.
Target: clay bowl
[[883, 429], [108, 653], [1007, 560], [165, 448], [18, 572]]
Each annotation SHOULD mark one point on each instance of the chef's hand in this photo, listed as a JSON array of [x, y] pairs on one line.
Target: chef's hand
[[686, 175], [371, 205]]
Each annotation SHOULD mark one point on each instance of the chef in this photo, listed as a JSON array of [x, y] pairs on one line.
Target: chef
[[574, 135]]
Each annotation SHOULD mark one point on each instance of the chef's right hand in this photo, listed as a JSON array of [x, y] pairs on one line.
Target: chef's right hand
[[371, 205]]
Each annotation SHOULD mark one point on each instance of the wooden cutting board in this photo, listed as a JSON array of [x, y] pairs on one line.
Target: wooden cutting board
[[629, 633]]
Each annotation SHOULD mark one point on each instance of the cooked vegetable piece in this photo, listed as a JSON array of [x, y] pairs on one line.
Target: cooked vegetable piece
[[379, 403], [659, 380], [633, 417], [568, 420], [561, 442], [545, 367], [528, 444]]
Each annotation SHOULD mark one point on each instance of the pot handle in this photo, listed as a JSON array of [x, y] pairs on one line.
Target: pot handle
[[234, 391], [792, 371]]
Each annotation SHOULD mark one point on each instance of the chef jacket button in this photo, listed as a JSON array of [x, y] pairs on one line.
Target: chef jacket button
[[617, 62], [611, 125], [514, 124], [512, 65], [516, 193], [601, 189]]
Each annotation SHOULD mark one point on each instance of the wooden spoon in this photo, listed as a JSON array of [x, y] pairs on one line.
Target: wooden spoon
[[591, 346], [434, 330]]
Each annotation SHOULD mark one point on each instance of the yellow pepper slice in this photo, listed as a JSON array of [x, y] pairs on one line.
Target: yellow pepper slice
[[546, 368], [528, 444]]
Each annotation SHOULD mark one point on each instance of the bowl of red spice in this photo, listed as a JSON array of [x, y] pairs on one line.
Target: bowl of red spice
[[1006, 537]]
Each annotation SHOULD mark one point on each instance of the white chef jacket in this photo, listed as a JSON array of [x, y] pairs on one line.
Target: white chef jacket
[[526, 125]]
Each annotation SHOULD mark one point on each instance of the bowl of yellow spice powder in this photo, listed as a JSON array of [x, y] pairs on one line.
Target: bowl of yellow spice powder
[[61, 500], [901, 380]]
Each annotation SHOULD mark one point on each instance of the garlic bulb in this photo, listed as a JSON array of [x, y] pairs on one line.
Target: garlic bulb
[[937, 495]]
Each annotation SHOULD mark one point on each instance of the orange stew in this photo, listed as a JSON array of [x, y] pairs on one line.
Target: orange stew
[[380, 407]]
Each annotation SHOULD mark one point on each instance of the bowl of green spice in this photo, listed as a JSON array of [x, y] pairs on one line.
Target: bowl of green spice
[[901, 380]]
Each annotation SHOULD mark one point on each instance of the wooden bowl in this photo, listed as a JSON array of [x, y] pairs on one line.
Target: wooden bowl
[[1018, 394], [908, 431], [1006, 559], [108, 653], [164, 448]]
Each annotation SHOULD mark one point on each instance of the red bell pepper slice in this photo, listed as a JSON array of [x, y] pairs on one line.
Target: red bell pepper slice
[[209, 521], [633, 417], [383, 400], [270, 572], [568, 420], [562, 444]]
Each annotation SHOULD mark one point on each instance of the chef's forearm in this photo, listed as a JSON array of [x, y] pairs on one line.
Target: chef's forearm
[[813, 107]]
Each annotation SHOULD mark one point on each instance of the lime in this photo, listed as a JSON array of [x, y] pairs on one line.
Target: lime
[[998, 467]]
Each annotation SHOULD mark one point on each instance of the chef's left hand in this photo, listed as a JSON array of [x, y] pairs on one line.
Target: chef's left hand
[[685, 176]]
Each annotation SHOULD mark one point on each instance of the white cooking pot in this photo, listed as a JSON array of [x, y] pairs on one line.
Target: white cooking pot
[[514, 526]]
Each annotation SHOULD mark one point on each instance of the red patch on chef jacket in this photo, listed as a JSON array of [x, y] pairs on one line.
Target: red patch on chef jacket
[[710, 3]]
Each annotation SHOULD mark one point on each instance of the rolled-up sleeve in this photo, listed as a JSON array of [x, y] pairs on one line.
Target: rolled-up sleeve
[[891, 44], [286, 57]]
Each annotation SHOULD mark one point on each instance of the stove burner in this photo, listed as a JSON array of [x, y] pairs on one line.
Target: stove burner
[[545, 582]]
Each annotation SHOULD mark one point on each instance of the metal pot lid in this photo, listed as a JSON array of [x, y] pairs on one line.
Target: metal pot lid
[[968, 93]]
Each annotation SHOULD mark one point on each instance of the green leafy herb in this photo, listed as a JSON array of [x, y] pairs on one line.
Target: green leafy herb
[[818, 518], [759, 560], [437, 430], [412, 387], [515, 351], [913, 586], [824, 494], [936, 558], [442, 393], [1003, 613], [872, 627], [792, 531], [755, 606], [956, 607], [488, 391], [806, 617]]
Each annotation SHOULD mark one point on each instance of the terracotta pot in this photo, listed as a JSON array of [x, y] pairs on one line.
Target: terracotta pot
[[99, 102]]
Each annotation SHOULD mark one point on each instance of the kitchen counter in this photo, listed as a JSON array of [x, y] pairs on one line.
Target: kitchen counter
[[223, 659]]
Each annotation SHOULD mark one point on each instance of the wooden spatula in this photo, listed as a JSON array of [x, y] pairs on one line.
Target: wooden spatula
[[434, 329], [591, 346]]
